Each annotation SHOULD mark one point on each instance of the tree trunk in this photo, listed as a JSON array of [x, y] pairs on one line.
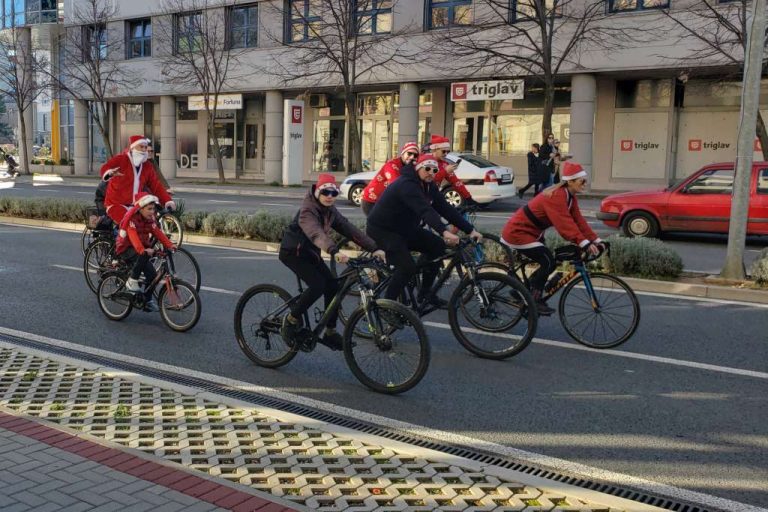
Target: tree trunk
[[549, 105], [23, 148], [762, 135], [355, 163]]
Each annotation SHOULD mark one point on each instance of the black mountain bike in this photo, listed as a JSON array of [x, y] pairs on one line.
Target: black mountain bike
[[490, 313], [179, 302], [385, 344]]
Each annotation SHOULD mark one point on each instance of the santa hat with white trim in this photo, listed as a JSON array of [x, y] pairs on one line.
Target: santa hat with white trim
[[439, 142], [143, 199], [427, 160], [572, 171], [409, 146], [136, 140]]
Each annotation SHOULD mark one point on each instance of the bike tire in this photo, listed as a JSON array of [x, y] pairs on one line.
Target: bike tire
[[95, 262], [116, 281], [86, 239], [355, 345], [272, 328], [192, 276], [171, 226], [507, 291], [190, 299], [632, 308]]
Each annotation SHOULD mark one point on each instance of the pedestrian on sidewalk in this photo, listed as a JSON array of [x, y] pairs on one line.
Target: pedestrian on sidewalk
[[534, 173], [547, 159]]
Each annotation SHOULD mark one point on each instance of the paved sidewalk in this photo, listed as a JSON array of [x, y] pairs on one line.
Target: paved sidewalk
[[245, 456]]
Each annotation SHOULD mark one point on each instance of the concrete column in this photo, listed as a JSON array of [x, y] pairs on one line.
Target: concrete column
[[168, 136], [440, 108], [82, 158], [24, 56], [409, 113], [273, 137], [583, 95]]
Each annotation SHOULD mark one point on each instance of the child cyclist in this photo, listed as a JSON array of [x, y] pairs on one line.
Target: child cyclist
[[135, 245], [303, 239]]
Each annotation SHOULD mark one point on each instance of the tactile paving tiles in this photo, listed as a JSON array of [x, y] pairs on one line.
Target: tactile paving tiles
[[317, 469]]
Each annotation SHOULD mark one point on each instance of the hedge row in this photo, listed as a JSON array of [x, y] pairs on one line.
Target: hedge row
[[640, 257]]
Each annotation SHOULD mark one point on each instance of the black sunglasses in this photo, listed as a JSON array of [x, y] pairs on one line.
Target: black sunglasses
[[329, 192], [412, 154], [430, 169]]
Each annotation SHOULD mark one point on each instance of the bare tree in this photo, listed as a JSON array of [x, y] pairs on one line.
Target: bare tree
[[198, 54], [538, 39], [90, 67], [718, 33], [342, 43], [17, 80]]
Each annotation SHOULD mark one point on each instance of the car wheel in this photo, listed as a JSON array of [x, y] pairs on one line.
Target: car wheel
[[640, 224], [453, 197], [356, 194]]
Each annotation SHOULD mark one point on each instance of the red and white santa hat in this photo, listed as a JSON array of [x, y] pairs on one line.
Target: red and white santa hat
[[144, 198], [325, 181], [411, 147], [439, 142], [572, 171], [427, 160], [136, 140]]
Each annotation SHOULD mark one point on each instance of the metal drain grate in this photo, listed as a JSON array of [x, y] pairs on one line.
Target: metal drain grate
[[335, 419]]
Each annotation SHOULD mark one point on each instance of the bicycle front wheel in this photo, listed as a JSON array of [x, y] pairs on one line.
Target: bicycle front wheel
[[96, 261], [602, 312], [258, 319], [187, 268], [179, 305], [171, 226], [492, 315], [86, 239], [392, 355]]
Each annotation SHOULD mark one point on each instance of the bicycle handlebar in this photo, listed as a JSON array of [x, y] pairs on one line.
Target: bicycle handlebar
[[586, 257]]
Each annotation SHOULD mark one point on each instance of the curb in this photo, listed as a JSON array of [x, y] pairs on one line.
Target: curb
[[704, 291]]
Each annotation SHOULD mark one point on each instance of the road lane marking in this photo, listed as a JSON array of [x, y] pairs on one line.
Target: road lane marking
[[533, 458], [220, 201]]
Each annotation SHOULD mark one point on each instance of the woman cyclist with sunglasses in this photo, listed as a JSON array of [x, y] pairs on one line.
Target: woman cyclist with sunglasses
[[303, 239]]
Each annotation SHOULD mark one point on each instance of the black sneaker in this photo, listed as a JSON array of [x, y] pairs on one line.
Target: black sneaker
[[519, 194], [333, 341], [436, 302], [543, 308]]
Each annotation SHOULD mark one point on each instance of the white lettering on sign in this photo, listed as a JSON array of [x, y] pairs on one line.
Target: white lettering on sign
[[187, 161], [492, 90]]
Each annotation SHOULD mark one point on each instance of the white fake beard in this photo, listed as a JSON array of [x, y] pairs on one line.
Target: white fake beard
[[138, 157]]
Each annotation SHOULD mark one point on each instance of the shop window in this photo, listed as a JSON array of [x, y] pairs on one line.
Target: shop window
[[132, 113], [139, 39], [643, 93], [184, 114], [373, 16], [243, 23], [636, 5], [328, 145], [513, 134], [525, 10], [448, 13], [304, 19], [718, 181], [715, 93], [375, 104]]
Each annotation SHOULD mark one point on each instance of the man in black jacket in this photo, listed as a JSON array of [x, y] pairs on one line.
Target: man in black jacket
[[395, 224]]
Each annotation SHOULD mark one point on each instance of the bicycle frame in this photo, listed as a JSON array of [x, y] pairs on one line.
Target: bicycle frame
[[579, 269]]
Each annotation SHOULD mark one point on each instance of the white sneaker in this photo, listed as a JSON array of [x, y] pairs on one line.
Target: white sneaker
[[132, 285]]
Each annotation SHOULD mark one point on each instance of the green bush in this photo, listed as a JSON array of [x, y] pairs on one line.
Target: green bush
[[62, 210], [215, 224], [193, 221], [267, 226], [759, 268]]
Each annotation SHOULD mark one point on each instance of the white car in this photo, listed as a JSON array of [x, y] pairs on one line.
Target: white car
[[486, 181]]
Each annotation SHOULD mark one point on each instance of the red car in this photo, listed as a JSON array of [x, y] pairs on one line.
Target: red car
[[701, 203]]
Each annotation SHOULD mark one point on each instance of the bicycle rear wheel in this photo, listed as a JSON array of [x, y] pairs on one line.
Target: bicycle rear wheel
[[86, 239], [492, 316], [96, 261], [114, 301], [603, 318], [179, 305], [393, 355], [172, 228], [258, 319]]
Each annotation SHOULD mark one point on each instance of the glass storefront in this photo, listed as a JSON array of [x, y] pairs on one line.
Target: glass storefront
[[186, 137], [329, 137], [67, 129]]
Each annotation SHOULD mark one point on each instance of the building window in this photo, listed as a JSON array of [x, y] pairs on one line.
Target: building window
[[304, 20], [96, 38], [449, 13], [373, 16], [139, 39], [41, 11], [13, 13], [636, 5], [188, 32], [243, 26], [525, 10]]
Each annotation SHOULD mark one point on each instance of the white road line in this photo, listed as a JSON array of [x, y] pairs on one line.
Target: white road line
[[220, 201], [219, 290], [86, 193], [537, 459], [67, 267]]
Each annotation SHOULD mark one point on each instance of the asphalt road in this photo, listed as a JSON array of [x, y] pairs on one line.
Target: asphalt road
[[700, 252], [696, 420]]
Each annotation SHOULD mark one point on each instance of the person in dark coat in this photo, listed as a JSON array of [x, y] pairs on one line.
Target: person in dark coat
[[534, 175], [547, 158]]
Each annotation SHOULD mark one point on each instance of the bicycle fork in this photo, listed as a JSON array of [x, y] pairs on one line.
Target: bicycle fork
[[590, 289]]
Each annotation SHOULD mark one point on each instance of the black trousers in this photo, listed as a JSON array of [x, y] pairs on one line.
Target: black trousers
[[318, 278], [537, 187], [367, 207], [398, 247], [141, 264], [547, 265]]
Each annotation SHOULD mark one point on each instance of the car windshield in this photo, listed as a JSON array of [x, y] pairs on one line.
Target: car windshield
[[477, 161]]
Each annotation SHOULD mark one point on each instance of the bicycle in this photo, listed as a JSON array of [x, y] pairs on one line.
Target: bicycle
[[587, 297], [483, 305], [380, 335], [98, 225], [173, 296]]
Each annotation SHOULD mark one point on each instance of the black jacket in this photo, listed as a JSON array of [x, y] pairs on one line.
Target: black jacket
[[546, 155], [533, 166], [408, 201]]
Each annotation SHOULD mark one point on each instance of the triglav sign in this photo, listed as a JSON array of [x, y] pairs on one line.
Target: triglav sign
[[224, 102], [493, 90]]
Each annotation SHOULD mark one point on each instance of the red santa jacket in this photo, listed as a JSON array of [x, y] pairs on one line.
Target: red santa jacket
[[135, 231], [122, 190], [442, 175], [388, 173], [526, 227]]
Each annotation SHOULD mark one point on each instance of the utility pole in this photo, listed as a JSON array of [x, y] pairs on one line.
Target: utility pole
[[750, 100]]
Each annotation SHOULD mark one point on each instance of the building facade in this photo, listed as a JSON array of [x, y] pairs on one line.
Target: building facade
[[635, 116]]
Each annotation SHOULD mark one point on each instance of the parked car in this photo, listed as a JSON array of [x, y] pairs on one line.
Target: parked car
[[700, 203], [486, 181]]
